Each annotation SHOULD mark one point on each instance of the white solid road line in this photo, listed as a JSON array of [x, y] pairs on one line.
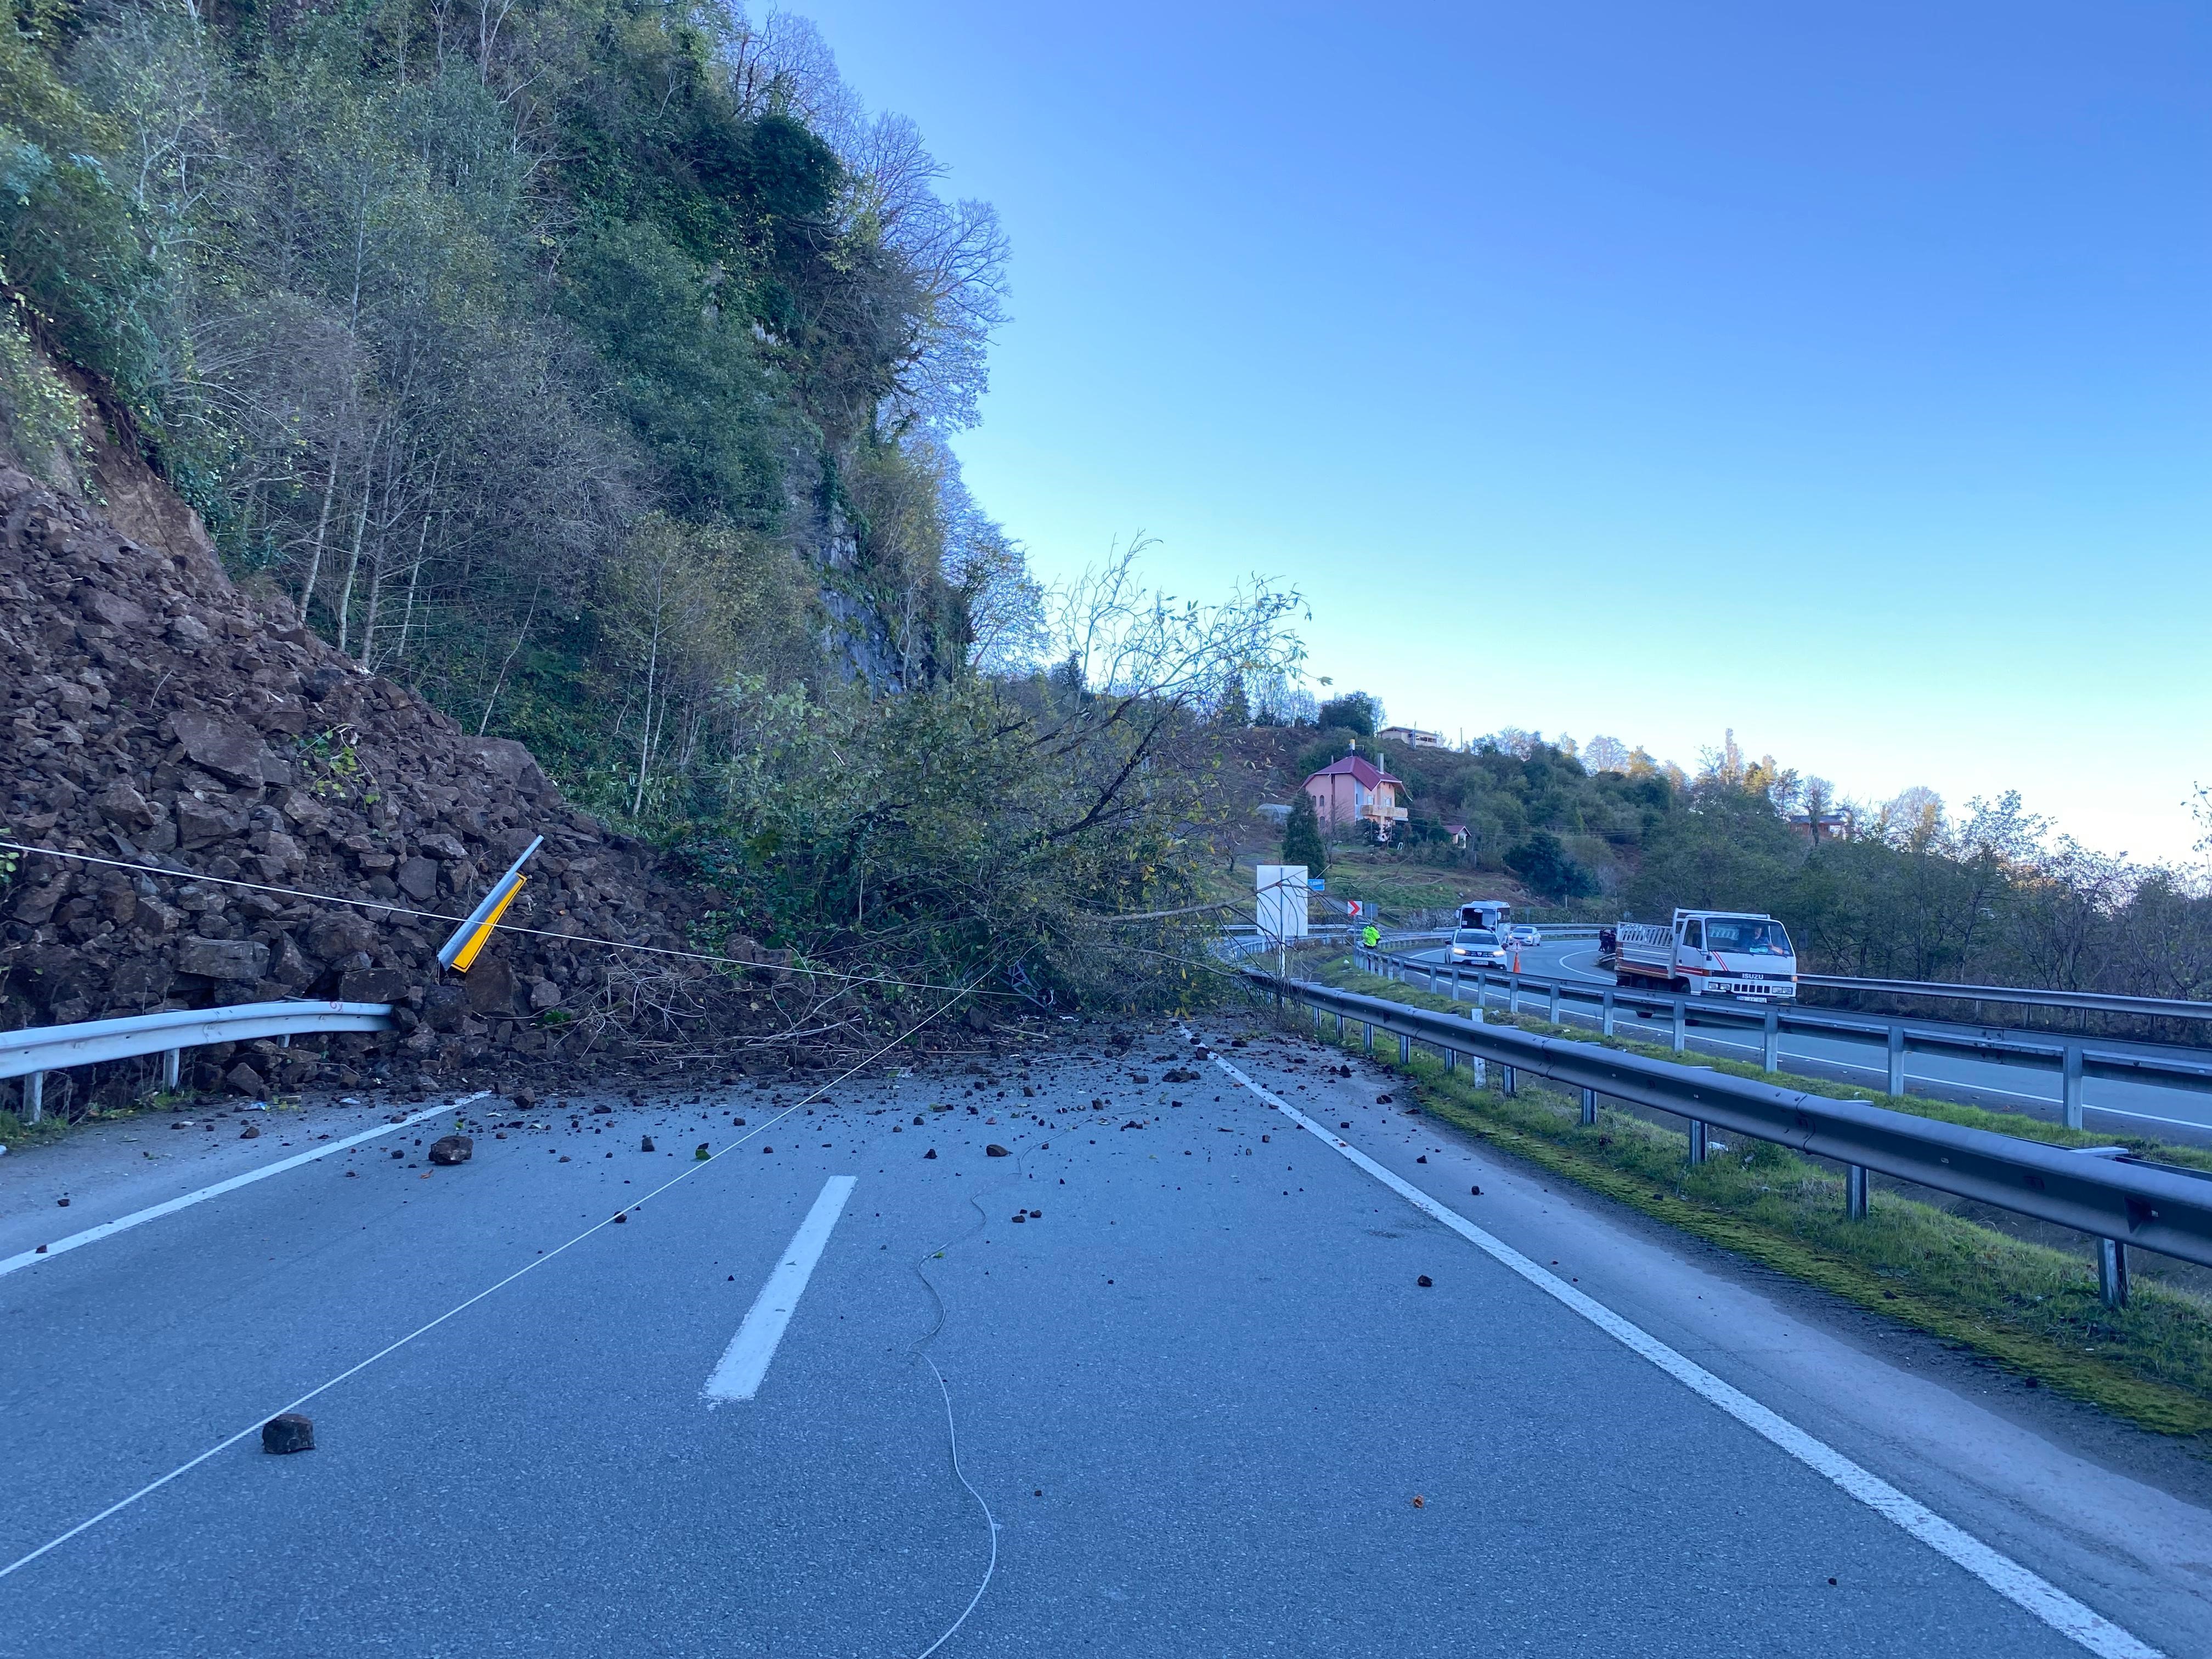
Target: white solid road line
[[139, 1218], [2016, 1584], [744, 1362]]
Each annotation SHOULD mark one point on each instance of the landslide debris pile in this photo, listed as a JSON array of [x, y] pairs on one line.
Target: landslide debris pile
[[152, 712]]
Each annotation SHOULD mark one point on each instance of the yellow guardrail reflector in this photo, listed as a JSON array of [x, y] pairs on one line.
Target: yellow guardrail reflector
[[468, 952]]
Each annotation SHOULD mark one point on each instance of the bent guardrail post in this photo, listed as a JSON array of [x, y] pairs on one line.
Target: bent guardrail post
[[459, 952]]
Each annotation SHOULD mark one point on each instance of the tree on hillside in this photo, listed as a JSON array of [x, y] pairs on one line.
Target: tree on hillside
[[1544, 863], [1234, 711], [1302, 842], [1356, 712], [1606, 754]]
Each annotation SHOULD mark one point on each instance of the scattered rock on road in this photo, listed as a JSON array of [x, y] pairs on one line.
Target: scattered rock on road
[[1425, 1282], [451, 1149], [995, 1149], [645, 1143], [287, 1431]]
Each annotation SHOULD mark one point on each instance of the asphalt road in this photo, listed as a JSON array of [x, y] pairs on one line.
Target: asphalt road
[[2116, 1103], [1201, 1394]]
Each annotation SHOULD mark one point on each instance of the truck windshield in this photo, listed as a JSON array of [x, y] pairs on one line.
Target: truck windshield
[[1746, 936]]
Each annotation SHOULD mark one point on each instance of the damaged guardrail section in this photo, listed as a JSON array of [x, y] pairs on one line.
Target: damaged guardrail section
[[2124, 1201], [32, 1053]]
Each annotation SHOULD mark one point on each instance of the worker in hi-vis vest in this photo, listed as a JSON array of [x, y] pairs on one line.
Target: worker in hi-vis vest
[[1371, 936]]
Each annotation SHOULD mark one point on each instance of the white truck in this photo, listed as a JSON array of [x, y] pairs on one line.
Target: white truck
[[1709, 953]]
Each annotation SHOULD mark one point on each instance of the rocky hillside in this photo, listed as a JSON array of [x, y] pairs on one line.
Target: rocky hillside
[[153, 714]]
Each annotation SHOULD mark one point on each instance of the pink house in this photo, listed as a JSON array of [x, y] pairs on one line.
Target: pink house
[[1355, 789]]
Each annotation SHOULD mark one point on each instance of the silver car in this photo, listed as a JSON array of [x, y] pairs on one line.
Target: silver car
[[1521, 934]]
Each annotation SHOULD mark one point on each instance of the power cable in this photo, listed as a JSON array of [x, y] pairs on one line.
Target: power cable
[[503, 927], [951, 1430]]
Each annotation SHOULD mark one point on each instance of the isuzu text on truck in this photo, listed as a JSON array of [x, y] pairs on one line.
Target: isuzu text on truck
[[1711, 953]]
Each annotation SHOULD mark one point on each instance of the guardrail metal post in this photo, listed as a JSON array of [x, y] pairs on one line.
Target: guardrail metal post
[[1451, 1061], [1513, 994], [173, 1065], [1405, 1051], [1509, 1079], [1697, 1141], [1316, 1019], [1367, 1037], [1552, 1014], [2112, 1273], [1855, 1191], [1605, 1015], [2071, 1070], [1340, 1028], [1681, 1035], [34, 1096], [1770, 1055], [1589, 1106], [1455, 981], [1896, 1059]]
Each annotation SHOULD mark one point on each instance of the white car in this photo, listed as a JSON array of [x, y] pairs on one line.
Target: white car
[[1477, 947], [1521, 934]]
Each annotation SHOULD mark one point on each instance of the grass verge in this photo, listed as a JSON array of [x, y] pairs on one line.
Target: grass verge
[[2028, 1307]]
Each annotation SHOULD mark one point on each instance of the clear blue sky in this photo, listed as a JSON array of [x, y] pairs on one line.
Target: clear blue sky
[[1840, 374]]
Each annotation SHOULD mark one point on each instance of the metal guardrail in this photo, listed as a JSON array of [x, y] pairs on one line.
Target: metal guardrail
[[30, 1054], [2071, 1058], [2118, 1199], [2021, 995]]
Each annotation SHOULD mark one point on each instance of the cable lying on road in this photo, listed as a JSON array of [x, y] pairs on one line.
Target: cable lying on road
[[458, 1308], [951, 1430]]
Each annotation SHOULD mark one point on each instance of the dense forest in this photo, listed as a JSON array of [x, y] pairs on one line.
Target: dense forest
[[1907, 889]]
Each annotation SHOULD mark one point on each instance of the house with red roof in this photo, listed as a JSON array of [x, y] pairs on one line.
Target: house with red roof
[[1355, 790]]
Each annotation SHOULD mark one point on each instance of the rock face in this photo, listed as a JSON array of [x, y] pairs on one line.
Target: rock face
[[153, 714]]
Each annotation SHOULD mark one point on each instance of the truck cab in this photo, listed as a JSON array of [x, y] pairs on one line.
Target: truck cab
[[1730, 953]]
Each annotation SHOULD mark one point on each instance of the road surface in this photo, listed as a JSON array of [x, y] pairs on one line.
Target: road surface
[[1209, 1404]]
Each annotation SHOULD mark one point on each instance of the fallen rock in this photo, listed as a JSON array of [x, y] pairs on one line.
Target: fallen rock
[[451, 1149], [931, 1153], [1425, 1282], [700, 1154], [995, 1149], [287, 1431], [251, 1131], [645, 1143]]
